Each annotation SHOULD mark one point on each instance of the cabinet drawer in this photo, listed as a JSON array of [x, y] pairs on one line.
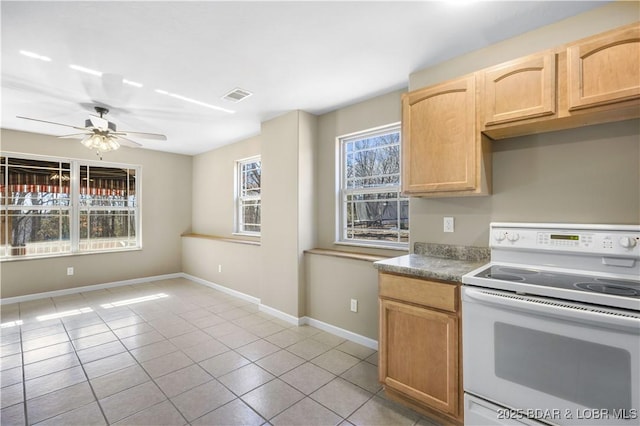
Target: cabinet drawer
[[418, 291]]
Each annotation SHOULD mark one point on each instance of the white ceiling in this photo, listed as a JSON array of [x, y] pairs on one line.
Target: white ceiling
[[312, 56]]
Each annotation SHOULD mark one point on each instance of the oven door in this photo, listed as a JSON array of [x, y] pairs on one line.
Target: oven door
[[552, 361]]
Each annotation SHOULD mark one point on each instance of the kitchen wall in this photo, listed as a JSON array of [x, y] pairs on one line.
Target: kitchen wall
[[213, 187], [272, 271], [583, 175], [166, 213], [332, 282], [220, 261], [287, 209], [586, 175]]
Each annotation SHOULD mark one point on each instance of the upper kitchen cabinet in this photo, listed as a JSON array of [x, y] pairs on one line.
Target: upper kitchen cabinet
[[520, 89], [442, 151], [591, 81], [604, 69]]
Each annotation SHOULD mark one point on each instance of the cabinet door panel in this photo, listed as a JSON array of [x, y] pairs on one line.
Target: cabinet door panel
[[419, 354], [520, 89], [439, 138], [605, 69]]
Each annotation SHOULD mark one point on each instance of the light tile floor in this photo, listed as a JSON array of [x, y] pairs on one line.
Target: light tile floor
[[174, 352]]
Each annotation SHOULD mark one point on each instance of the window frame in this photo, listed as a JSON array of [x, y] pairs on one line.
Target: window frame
[[343, 192], [241, 199], [74, 207]]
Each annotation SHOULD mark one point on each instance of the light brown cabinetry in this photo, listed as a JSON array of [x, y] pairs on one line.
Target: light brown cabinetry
[[596, 80], [446, 127], [419, 345], [519, 89], [604, 69], [442, 149]]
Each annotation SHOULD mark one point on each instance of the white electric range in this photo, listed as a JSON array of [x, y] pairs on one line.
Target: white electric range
[[551, 326]]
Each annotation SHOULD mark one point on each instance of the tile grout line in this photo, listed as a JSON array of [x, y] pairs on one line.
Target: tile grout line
[[24, 378], [75, 351], [304, 337], [128, 351]]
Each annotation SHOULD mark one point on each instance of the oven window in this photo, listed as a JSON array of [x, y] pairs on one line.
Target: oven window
[[591, 374]]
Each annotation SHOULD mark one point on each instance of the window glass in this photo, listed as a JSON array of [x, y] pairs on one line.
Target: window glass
[[248, 195], [42, 215], [373, 212]]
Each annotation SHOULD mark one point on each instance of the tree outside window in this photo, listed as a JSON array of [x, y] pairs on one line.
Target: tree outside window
[[373, 212], [52, 207], [248, 195]]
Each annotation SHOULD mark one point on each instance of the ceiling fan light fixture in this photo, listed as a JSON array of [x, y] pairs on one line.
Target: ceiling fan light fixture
[[100, 143]]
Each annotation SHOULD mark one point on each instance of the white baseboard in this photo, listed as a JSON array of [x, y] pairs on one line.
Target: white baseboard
[[67, 291], [281, 315], [341, 332], [349, 335], [222, 288]]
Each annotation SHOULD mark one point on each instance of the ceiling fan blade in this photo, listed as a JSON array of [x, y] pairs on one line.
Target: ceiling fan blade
[[156, 136], [74, 136], [51, 122], [128, 142]]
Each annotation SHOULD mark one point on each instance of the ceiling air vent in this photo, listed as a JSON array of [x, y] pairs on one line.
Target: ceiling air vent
[[236, 95]]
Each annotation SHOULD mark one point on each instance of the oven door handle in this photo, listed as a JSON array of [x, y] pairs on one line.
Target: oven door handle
[[554, 308]]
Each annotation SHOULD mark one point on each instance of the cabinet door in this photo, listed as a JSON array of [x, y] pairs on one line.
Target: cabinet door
[[604, 69], [419, 354], [520, 89], [439, 138]]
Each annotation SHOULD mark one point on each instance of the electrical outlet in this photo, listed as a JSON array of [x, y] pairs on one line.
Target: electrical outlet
[[219, 268], [70, 270], [354, 305], [448, 224]]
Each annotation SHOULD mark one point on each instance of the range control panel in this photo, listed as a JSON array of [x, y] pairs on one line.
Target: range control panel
[[621, 240]]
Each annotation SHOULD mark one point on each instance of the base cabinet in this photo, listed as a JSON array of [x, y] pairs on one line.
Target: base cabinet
[[420, 345]]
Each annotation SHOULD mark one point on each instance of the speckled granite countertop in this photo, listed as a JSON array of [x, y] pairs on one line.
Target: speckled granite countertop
[[436, 261]]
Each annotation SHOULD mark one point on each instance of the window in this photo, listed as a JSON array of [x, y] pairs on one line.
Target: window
[[53, 206], [372, 211], [249, 173]]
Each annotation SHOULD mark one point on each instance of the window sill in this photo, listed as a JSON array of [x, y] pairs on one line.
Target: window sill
[[53, 256], [224, 239], [373, 246], [346, 254]]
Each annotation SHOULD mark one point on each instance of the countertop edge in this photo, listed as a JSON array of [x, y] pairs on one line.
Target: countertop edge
[[429, 267]]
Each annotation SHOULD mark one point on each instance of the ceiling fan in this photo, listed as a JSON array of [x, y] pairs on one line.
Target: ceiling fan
[[100, 134]]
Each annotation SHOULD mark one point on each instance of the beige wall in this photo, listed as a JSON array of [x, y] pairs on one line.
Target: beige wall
[[331, 284], [583, 175], [287, 142], [587, 175], [213, 187], [166, 213], [213, 215], [376, 112], [229, 264]]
